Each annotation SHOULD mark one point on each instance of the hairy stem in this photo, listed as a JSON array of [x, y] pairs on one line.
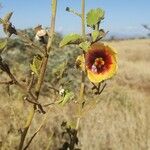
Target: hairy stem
[[41, 75], [26, 128], [53, 17], [73, 12], [82, 86], [42, 72], [83, 18]]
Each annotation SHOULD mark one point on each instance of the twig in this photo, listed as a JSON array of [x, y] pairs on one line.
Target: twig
[[41, 75], [83, 18], [102, 89], [73, 12], [98, 88], [46, 105], [28, 123], [31, 82], [15, 81], [30, 43], [6, 82], [30, 101], [23, 87], [34, 135], [36, 132], [95, 87], [50, 87], [52, 28]]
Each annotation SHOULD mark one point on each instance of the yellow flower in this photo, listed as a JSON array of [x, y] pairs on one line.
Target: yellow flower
[[100, 62], [80, 62]]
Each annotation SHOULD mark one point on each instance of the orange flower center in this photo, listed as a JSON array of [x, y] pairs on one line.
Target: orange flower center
[[99, 62]]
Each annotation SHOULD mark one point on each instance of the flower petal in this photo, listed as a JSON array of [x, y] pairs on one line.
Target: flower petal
[[80, 62]]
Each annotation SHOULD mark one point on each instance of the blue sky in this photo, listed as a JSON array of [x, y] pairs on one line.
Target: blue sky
[[123, 17]]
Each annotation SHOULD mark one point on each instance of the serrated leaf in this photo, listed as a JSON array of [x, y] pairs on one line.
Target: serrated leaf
[[95, 35], [7, 17], [71, 39], [94, 16], [36, 64], [85, 45], [66, 98], [3, 44]]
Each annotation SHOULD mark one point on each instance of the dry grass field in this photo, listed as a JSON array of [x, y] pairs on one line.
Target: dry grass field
[[119, 121]]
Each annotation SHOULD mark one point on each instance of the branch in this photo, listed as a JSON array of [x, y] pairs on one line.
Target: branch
[[30, 101], [52, 28], [73, 12], [56, 90], [28, 123], [31, 82], [4, 66], [102, 89], [36, 132], [41, 75], [30, 43], [6, 82]]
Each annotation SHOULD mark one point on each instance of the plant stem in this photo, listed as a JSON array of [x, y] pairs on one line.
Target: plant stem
[[28, 123], [42, 73], [53, 17], [83, 18], [49, 44], [74, 12], [36, 132], [82, 86]]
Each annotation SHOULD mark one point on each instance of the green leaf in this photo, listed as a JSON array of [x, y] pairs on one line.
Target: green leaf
[[59, 70], [36, 64], [94, 16], [71, 39], [85, 45], [7, 17], [3, 44], [97, 35], [66, 98]]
